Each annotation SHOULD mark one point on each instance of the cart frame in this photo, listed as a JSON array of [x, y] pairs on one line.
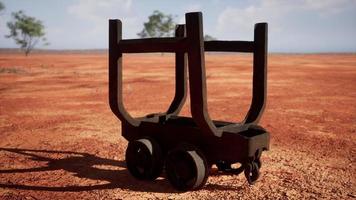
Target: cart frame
[[218, 140]]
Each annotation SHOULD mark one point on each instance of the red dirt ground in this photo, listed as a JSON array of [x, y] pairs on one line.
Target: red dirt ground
[[59, 139]]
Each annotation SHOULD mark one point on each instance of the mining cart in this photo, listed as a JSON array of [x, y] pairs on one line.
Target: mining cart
[[187, 147]]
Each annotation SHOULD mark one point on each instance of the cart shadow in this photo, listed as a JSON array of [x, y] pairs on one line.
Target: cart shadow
[[86, 166]]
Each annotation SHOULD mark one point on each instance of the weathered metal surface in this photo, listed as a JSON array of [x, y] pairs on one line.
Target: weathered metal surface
[[221, 143]]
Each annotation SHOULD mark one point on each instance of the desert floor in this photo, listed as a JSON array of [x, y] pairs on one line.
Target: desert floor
[[59, 139]]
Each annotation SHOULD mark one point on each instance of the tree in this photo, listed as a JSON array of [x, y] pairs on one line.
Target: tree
[[26, 31], [2, 6], [158, 25], [209, 38]]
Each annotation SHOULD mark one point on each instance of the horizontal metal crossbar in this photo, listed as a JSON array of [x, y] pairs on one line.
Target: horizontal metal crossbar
[[150, 45], [229, 46]]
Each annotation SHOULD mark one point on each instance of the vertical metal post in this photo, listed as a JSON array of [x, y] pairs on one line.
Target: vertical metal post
[[115, 74], [197, 77], [181, 76], [259, 90]]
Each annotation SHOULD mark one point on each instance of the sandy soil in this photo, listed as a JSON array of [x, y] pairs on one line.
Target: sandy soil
[[59, 139]]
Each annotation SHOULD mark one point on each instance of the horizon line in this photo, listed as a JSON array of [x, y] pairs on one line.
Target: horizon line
[[103, 50]]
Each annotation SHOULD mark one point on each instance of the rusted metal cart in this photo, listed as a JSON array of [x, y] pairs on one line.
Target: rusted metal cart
[[187, 147]]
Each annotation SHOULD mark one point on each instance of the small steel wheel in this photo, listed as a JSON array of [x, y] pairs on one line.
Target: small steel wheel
[[186, 168], [227, 167], [258, 158], [252, 172], [144, 159], [258, 162], [223, 166]]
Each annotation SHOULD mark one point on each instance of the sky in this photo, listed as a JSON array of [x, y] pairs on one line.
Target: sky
[[300, 26]]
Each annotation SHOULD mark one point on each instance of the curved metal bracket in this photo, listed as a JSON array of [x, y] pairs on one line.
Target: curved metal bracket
[[197, 77], [259, 90], [190, 43], [181, 76], [115, 74]]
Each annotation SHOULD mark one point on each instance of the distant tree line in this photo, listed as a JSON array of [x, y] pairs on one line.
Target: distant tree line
[[28, 31]]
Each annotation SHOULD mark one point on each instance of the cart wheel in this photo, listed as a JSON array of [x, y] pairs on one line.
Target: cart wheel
[[226, 167], [144, 159], [258, 162], [252, 172], [186, 168]]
